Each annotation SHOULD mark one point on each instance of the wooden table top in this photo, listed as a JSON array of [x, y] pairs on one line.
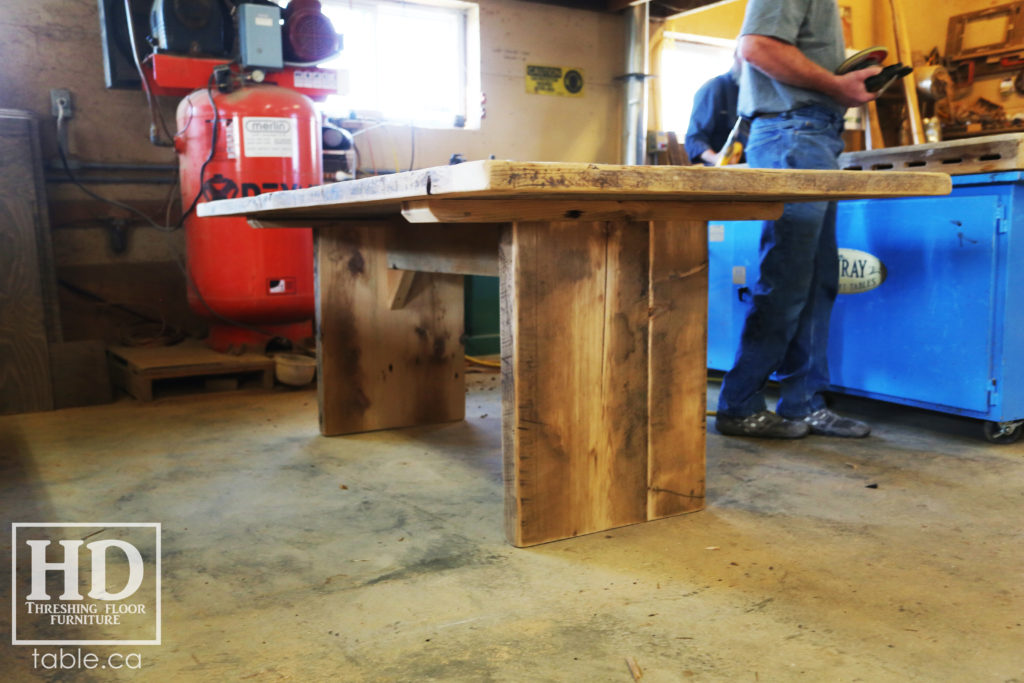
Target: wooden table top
[[385, 195]]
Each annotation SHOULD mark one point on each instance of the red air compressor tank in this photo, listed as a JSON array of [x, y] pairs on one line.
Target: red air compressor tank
[[251, 285]]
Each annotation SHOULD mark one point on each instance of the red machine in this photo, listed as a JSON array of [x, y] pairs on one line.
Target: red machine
[[252, 285], [255, 131], [308, 35]]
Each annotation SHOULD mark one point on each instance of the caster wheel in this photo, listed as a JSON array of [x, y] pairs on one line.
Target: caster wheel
[[1003, 432]]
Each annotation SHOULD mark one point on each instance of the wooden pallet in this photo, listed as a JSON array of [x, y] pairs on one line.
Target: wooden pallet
[[956, 157], [137, 369]]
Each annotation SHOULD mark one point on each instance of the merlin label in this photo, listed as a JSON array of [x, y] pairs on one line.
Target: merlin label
[[269, 136]]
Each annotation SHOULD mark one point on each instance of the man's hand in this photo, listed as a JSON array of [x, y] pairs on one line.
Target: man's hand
[[786, 63], [849, 89], [710, 157]]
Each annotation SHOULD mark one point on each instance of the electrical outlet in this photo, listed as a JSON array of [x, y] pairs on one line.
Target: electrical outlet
[[60, 96]]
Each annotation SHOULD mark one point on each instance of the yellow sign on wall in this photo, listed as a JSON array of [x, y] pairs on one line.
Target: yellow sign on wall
[[554, 80]]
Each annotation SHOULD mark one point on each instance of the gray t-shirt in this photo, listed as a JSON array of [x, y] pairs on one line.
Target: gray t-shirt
[[815, 28]]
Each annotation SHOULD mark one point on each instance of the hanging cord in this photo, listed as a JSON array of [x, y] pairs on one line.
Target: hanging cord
[[189, 280], [173, 197], [154, 109], [369, 146], [213, 148], [61, 115], [61, 140], [209, 157], [191, 283], [165, 335], [186, 271]]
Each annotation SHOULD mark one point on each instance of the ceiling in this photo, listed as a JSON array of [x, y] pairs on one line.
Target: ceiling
[[660, 9]]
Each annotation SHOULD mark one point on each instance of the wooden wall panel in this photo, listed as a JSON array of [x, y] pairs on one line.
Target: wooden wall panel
[[28, 319]]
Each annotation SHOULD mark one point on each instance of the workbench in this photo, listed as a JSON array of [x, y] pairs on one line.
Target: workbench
[[603, 278]]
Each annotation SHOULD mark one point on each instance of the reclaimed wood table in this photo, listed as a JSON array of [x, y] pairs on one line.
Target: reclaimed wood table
[[603, 280]]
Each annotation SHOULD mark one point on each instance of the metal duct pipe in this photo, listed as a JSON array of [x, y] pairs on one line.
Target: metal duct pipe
[[110, 180], [634, 125], [104, 166]]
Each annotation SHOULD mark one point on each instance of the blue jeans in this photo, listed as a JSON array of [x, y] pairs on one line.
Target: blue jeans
[[786, 331]]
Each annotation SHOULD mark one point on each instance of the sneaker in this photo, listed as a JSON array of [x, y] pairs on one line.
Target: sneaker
[[826, 423], [764, 424]]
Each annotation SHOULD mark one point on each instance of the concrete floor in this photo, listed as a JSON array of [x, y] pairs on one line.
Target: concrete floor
[[380, 557]]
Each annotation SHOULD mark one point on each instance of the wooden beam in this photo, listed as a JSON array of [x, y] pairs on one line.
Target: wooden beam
[[899, 27], [399, 284], [873, 128], [508, 210], [678, 6], [463, 249], [619, 5], [676, 152], [284, 223]]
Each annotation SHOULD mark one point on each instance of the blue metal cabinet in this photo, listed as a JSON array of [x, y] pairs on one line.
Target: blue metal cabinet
[[940, 330]]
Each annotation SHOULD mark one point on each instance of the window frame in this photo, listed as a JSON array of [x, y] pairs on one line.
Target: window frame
[[469, 78], [671, 40]]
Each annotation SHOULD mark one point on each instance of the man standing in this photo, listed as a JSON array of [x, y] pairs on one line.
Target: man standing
[[791, 49], [713, 116]]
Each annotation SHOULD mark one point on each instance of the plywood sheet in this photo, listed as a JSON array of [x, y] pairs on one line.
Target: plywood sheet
[[80, 376]]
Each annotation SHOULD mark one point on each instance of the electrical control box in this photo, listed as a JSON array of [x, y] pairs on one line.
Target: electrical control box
[[259, 36]]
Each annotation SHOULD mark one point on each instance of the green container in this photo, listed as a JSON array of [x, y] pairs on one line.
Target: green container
[[482, 316]]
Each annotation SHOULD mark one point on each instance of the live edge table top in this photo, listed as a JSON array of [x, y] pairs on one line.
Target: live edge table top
[[603, 278], [497, 180]]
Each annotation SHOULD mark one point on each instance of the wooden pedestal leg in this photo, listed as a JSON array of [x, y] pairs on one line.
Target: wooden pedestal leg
[[382, 367], [678, 367], [574, 377], [603, 374]]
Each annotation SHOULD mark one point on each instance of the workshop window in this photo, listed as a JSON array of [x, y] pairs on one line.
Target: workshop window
[[688, 62], [407, 62]]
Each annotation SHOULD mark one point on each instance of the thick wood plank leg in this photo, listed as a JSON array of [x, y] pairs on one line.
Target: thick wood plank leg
[[574, 377], [678, 375], [382, 368], [27, 284]]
